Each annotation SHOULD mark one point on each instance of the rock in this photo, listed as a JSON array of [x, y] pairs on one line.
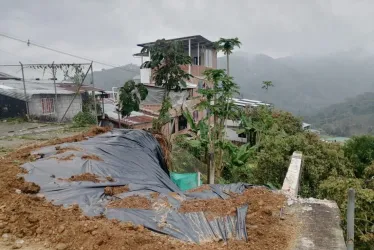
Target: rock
[[13, 219], [18, 191], [3, 217], [18, 244], [6, 230], [94, 232], [260, 202], [5, 236], [39, 230], [33, 219], [61, 229], [41, 196], [96, 227], [61, 246], [47, 245], [2, 225]]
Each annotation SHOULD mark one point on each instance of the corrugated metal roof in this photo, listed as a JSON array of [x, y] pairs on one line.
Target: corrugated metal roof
[[15, 89], [4, 76], [135, 117]]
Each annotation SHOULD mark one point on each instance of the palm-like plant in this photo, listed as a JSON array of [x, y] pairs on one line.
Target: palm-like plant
[[267, 84], [227, 45]]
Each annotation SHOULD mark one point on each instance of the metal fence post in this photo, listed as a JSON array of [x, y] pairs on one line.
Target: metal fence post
[[351, 219], [55, 106], [24, 91], [94, 96]]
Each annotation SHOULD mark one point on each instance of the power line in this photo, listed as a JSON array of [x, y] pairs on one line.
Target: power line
[[64, 53]]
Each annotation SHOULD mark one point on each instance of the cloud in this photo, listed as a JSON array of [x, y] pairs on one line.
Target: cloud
[[108, 31]]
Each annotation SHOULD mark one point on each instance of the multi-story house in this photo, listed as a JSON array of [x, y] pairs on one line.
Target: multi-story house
[[204, 56]]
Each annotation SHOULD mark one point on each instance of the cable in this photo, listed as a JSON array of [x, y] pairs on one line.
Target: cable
[[64, 53]]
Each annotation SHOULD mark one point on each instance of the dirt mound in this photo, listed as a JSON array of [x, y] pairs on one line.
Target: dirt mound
[[34, 219], [199, 189], [85, 177], [30, 188], [165, 147], [135, 201], [91, 157], [116, 190], [219, 207]]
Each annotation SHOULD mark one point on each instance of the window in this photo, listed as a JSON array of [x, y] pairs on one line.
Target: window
[[48, 105]]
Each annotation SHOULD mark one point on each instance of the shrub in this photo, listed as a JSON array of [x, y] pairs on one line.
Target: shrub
[[83, 119]]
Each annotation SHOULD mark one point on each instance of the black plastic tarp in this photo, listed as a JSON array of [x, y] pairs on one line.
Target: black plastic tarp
[[133, 158]]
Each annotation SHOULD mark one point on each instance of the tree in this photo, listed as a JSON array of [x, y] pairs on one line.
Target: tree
[[267, 84], [130, 96], [218, 101], [166, 59], [227, 45]]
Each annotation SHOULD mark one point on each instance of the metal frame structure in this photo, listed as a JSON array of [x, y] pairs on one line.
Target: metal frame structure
[[54, 68]]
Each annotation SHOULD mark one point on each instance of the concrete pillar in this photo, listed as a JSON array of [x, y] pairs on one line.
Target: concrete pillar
[[292, 181], [198, 57]]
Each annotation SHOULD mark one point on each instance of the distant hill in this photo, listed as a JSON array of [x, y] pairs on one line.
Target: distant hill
[[355, 116], [115, 77], [303, 84]]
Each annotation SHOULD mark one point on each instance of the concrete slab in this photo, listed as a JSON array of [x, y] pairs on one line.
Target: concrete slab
[[320, 225]]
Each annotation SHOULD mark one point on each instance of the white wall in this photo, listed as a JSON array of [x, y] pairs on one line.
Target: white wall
[[145, 75], [63, 101]]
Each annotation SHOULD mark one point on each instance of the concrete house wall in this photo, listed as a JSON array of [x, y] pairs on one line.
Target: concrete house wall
[[63, 101]]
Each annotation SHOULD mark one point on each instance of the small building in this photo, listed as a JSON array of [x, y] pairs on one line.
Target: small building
[[204, 56], [40, 101]]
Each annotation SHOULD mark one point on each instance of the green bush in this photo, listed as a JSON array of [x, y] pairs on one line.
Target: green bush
[[83, 119]]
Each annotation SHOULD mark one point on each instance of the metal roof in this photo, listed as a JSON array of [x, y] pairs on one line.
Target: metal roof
[[4, 76], [250, 103], [195, 40], [14, 88]]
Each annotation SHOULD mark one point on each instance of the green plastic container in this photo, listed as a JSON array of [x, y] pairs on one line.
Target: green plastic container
[[185, 181]]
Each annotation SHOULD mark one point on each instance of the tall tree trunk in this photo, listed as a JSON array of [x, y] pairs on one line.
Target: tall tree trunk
[[210, 162], [228, 64]]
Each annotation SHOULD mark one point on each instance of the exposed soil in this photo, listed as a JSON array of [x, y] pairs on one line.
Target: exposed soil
[[30, 188], [135, 201], [60, 150], [85, 177], [116, 190], [37, 221], [199, 189], [91, 157], [219, 207]]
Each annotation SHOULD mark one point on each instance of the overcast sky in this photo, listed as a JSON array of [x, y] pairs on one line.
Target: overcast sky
[[108, 31]]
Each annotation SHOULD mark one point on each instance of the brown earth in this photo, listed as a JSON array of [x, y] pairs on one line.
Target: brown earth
[[37, 221], [219, 207], [60, 150], [116, 190], [135, 201], [85, 177], [199, 189], [91, 157]]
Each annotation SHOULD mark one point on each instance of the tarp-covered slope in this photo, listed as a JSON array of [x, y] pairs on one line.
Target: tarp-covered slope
[[133, 158]]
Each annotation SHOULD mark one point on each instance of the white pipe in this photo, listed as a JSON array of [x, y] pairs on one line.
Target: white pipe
[[189, 53]]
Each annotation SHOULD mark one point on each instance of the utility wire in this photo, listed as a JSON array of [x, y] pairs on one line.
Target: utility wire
[[64, 53]]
